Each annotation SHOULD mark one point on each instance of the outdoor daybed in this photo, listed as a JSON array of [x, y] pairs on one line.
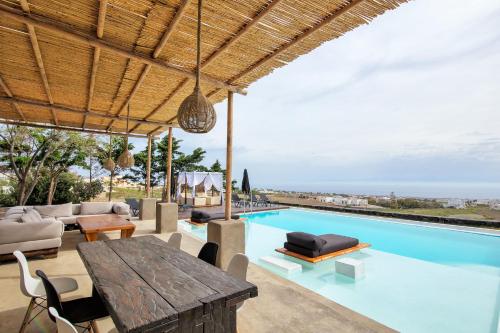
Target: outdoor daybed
[[313, 248], [199, 216]]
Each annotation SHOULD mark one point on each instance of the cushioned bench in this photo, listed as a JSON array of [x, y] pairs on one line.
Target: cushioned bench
[[199, 216], [314, 248]]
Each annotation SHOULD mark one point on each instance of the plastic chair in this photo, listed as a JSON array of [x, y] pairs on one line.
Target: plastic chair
[[64, 326], [208, 253], [175, 240], [238, 267], [33, 287], [76, 311]]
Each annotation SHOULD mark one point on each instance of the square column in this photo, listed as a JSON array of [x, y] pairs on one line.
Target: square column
[[147, 208], [166, 217], [230, 235]]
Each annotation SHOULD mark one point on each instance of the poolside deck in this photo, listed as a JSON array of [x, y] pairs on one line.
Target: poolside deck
[[282, 306]]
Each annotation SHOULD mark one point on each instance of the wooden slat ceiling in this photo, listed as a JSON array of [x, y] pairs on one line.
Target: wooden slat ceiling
[[81, 63]]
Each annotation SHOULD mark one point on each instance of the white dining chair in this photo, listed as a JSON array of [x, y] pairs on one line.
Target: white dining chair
[[175, 240], [238, 267], [33, 287], [64, 326]]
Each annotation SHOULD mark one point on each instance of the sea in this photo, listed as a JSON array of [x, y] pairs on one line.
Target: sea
[[421, 189]]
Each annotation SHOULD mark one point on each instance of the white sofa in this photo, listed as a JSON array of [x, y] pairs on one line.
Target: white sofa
[[44, 238]]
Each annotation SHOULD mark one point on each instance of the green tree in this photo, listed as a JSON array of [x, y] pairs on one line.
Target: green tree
[[72, 151], [23, 152]]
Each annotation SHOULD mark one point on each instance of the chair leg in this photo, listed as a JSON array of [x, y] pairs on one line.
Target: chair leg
[[27, 315], [94, 327]]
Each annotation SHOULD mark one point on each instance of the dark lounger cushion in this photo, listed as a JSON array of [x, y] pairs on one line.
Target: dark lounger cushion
[[306, 245], [336, 243], [199, 216], [305, 240]]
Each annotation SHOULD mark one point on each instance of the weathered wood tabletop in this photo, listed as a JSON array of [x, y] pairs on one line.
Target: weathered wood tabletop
[[149, 286]]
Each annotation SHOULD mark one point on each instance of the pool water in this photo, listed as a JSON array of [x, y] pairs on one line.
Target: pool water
[[417, 278]]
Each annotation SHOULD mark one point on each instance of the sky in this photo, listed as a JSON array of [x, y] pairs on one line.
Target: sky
[[412, 97]]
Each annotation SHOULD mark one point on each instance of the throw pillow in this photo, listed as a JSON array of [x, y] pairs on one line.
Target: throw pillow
[[30, 215], [121, 208]]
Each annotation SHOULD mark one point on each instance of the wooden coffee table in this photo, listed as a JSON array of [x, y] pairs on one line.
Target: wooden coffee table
[[90, 226]]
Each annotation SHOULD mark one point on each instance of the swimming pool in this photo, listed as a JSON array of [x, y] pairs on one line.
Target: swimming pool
[[418, 278]]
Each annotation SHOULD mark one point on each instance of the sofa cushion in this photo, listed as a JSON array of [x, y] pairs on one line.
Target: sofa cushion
[[15, 212], [68, 219], [305, 240], [31, 231], [121, 208], [30, 245], [76, 209], [96, 208], [55, 210], [31, 215]]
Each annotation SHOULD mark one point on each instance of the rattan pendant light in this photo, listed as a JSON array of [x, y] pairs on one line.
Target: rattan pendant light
[[109, 164], [126, 159], [196, 114]]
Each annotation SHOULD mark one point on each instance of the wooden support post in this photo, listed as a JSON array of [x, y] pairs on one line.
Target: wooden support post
[[229, 154], [169, 166], [148, 169]]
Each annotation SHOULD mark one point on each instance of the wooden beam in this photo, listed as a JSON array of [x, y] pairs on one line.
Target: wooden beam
[[66, 128], [229, 156], [300, 37], [9, 93], [148, 169], [63, 108], [38, 57], [297, 39], [137, 84], [47, 24], [163, 42], [221, 49], [101, 18], [169, 165], [171, 27], [155, 130]]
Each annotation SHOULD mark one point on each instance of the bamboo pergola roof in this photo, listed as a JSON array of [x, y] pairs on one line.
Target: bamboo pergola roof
[[79, 63]]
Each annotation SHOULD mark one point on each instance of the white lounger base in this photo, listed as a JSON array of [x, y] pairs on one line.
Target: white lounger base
[[350, 267], [283, 265]]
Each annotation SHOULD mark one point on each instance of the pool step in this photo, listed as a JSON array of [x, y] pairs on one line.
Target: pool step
[[350, 267], [283, 265]]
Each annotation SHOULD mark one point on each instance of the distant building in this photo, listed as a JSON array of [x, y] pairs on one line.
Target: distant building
[[345, 201], [455, 203]]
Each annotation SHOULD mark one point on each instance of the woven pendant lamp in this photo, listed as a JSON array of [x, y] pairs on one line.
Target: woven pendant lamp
[[126, 159], [196, 114], [109, 164]]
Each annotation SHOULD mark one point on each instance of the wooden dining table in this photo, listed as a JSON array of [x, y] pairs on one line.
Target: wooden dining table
[[148, 286]]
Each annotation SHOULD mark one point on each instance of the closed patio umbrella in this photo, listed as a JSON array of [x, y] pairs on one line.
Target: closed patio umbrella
[[245, 187]]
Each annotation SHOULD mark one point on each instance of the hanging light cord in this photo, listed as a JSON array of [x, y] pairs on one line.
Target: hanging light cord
[[128, 116], [198, 45], [110, 144]]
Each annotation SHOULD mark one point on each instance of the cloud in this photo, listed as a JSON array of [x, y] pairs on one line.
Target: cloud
[[411, 96]]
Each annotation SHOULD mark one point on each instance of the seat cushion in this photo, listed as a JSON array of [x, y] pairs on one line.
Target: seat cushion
[[96, 208], [55, 210], [336, 243], [301, 250], [305, 240], [84, 309]]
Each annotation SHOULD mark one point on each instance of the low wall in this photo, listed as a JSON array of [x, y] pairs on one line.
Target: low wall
[[413, 217]]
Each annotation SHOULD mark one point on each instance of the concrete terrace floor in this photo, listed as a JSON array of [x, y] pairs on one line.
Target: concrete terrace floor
[[282, 306]]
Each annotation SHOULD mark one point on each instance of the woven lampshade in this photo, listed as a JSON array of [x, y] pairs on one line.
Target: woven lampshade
[[196, 114], [109, 164], [126, 159]]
